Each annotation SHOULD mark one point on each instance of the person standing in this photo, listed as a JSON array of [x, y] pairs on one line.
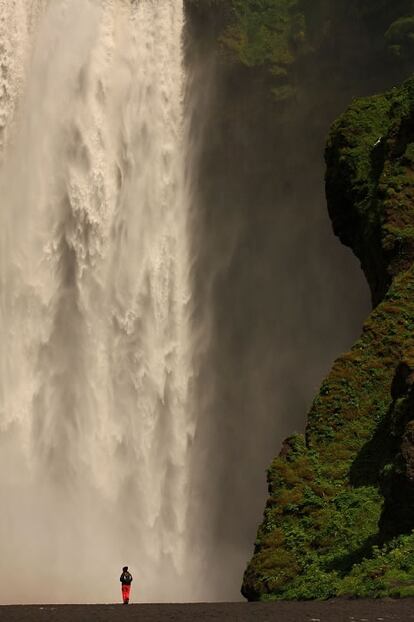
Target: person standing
[[126, 580]]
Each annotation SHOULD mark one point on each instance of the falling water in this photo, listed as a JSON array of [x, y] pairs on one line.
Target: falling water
[[95, 423]]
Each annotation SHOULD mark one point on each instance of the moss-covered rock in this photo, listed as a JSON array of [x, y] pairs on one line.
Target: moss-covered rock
[[369, 183], [288, 39], [341, 505]]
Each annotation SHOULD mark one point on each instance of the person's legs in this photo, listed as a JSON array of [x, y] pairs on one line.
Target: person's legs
[[125, 593], [128, 591]]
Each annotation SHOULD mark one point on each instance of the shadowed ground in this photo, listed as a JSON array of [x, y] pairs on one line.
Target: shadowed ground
[[332, 611]]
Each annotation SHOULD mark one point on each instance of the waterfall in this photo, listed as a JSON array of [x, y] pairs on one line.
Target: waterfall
[[95, 416]]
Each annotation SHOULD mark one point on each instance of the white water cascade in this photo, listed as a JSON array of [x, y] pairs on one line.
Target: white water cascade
[[95, 366]]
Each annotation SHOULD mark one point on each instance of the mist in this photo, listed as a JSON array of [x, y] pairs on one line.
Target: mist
[[278, 298]]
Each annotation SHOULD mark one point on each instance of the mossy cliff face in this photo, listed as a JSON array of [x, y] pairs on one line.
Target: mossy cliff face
[[340, 514], [369, 184], [300, 41]]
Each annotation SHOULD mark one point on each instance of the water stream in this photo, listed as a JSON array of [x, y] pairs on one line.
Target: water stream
[[95, 366]]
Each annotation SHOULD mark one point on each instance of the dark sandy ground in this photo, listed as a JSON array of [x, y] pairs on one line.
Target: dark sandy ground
[[332, 611]]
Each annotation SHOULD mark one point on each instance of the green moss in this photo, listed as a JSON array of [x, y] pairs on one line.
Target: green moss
[[388, 572], [266, 32], [369, 183], [281, 35], [333, 494]]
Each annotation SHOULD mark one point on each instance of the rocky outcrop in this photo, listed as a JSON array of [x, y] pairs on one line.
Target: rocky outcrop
[[340, 512], [398, 483], [297, 44], [369, 184]]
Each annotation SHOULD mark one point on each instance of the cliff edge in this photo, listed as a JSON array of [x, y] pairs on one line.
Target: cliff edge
[[340, 512]]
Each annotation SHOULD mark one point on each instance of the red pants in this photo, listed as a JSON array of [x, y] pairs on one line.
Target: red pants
[[126, 589]]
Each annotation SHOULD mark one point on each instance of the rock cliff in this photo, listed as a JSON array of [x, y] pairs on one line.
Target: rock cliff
[[340, 512]]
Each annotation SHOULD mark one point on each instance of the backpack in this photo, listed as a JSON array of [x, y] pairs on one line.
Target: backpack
[[126, 578]]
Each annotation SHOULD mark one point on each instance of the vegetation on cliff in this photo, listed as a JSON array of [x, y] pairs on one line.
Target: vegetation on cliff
[[294, 41], [340, 514]]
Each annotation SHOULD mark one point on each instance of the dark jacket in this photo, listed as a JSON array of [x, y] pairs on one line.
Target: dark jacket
[[126, 578]]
